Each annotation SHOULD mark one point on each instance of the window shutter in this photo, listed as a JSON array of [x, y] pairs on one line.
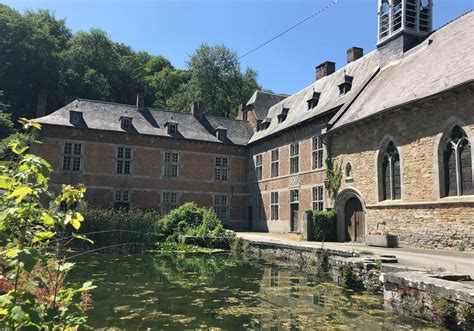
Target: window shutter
[[466, 168]]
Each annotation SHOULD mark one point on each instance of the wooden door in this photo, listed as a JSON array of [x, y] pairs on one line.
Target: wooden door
[[354, 220], [294, 217]]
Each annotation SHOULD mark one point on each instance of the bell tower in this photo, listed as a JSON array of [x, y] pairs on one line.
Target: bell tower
[[409, 20]]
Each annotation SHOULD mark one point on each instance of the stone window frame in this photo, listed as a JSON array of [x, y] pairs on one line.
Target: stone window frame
[[317, 195], [121, 160], [390, 158], [317, 147], [378, 165], [294, 158], [222, 206], [171, 165], [169, 201], [274, 206], [259, 167], [294, 196], [221, 171], [69, 153], [438, 167], [275, 162]]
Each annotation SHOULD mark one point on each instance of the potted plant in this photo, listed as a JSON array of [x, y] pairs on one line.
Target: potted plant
[[381, 239]]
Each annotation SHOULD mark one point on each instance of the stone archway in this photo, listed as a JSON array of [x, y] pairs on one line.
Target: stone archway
[[350, 210]]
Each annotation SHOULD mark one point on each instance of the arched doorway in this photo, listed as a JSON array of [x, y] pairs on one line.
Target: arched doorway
[[354, 220]]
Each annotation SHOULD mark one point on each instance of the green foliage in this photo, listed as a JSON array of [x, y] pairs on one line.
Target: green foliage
[[33, 292], [171, 246], [444, 311], [324, 225], [132, 230], [42, 55], [465, 314], [333, 176], [191, 220], [216, 79]]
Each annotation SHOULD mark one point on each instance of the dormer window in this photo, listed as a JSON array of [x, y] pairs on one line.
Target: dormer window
[[346, 85], [221, 133], [314, 100], [75, 118], [172, 128], [125, 123], [283, 114], [265, 124]]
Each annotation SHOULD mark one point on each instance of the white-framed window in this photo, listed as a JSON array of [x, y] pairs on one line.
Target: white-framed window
[[259, 207], [274, 206], [294, 196], [172, 128], [318, 197], [124, 160], [169, 201], [170, 164], [259, 166], [221, 168], [221, 206], [318, 152], [275, 163], [72, 157], [122, 199], [294, 158]]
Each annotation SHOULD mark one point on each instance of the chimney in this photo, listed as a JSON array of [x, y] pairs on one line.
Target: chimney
[[325, 69], [354, 54], [140, 101], [197, 109], [41, 105]]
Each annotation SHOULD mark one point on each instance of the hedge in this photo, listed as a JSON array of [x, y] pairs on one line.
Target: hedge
[[324, 225]]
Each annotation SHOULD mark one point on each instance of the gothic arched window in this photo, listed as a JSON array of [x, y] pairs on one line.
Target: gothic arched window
[[391, 183], [457, 164]]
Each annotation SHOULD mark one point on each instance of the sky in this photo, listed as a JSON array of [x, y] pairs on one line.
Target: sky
[[174, 28]]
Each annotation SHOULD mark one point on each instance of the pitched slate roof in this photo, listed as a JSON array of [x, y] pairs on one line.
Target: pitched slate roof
[[330, 98], [442, 61], [106, 116], [262, 101]]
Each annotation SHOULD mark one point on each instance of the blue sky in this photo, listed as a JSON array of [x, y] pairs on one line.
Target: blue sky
[[174, 28]]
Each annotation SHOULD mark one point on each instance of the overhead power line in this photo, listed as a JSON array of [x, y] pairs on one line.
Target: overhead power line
[[320, 11]]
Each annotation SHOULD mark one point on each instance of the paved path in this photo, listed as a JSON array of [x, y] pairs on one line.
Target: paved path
[[461, 262]]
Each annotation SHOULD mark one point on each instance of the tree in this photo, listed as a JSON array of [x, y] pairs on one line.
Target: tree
[[6, 123], [30, 47], [216, 79]]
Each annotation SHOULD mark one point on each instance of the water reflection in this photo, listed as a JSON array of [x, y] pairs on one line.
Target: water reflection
[[218, 292]]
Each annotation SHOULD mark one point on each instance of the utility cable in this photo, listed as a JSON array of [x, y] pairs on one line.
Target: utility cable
[[320, 11]]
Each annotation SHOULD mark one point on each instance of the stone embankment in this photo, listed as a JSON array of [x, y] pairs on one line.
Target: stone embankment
[[445, 298]]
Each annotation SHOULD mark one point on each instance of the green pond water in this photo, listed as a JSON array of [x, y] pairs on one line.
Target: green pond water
[[214, 291]]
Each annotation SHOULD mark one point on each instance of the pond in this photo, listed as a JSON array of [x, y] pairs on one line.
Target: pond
[[215, 291]]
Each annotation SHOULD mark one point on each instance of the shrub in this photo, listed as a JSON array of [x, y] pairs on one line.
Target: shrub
[[122, 229], [324, 226]]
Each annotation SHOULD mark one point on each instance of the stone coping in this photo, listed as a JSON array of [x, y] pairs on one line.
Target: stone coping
[[430, 283]]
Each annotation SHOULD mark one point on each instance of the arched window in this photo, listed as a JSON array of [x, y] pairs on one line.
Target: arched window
[[457, 164], [391, 183]]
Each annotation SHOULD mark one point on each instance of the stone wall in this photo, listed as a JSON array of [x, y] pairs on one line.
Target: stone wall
[[422, 217]]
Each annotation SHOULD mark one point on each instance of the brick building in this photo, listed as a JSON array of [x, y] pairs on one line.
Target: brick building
[[399, 119]]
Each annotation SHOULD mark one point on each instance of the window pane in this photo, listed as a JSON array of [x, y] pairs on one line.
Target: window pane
[[77, 149], [466, 168], [120, 152], [76, 163], [67, 148], [67, 163], [119, 166], [127, 153]]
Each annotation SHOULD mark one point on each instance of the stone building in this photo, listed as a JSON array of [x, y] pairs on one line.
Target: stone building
[[399, 120]]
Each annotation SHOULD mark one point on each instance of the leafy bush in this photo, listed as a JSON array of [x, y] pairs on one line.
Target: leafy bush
[[325, 225], [137, 229], [191, 220]]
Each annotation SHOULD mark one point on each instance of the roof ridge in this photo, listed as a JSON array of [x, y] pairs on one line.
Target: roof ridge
[[271, 93], [225, 118]]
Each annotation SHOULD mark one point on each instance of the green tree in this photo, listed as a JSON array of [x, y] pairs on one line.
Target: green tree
[[216, 79], [30, 47], [33, 292]]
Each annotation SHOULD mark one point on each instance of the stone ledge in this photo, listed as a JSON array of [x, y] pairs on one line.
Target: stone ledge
[[431, 283]]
